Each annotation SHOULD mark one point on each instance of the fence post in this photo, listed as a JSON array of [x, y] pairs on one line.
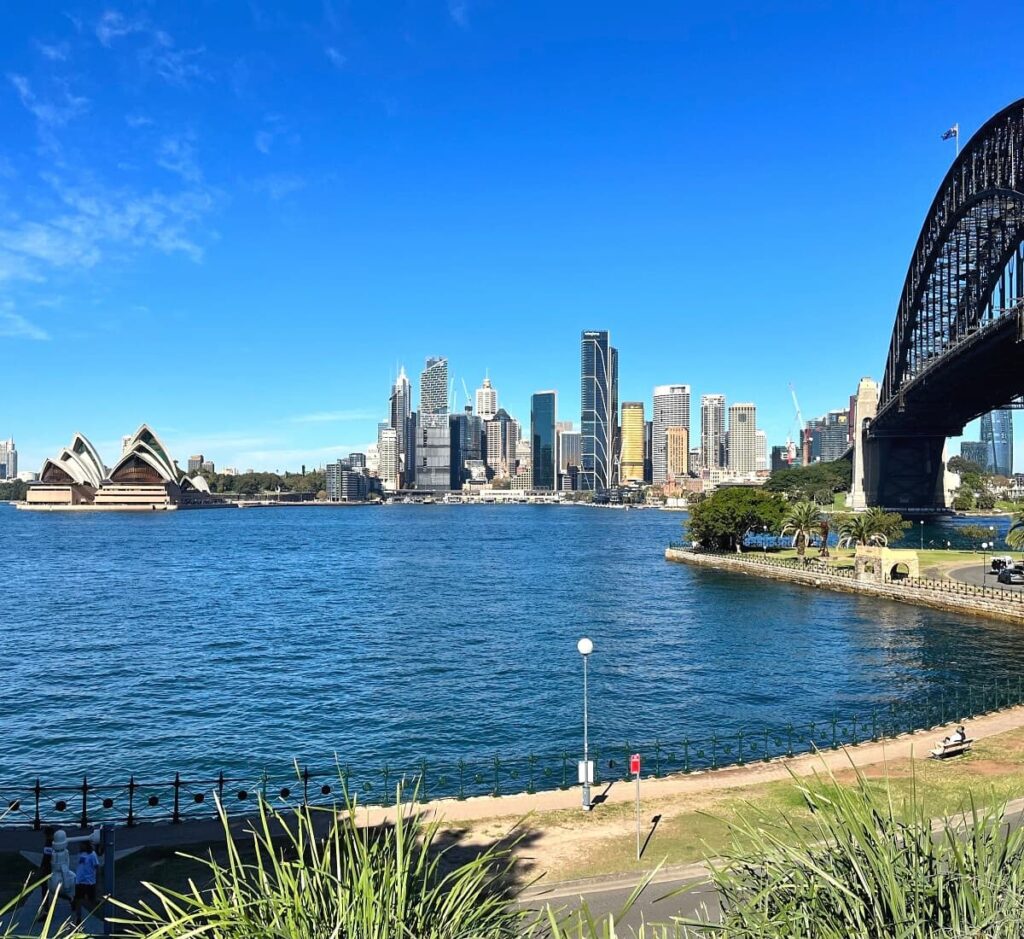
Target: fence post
[[739, 749], [85, 802], [657, 758], [789, 739], [497, 777], [305, 786], [220, 788], [565, 770], [766, 756], [874, 724], [131, 801], [714, 751], [176, 815], [462, 779], [686, 755], [835, 743]]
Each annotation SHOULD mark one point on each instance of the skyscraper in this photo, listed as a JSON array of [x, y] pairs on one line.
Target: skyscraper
[[677, 452], [598, 369], [742, 438], [760, 451], [631, 466], [467, 433], [433, 432], [569, 446], [997, 437], [501, 434], [712, 431], [543, 442], [402, 422], [8, 459], [671, 409], [388, 466], [486, 400]]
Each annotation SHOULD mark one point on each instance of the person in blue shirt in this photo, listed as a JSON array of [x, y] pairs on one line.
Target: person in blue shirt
[[85, 879]]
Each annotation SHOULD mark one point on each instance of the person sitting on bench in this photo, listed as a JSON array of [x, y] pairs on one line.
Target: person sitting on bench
[[958, 736]]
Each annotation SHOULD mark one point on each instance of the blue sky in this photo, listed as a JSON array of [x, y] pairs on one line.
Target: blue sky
[[232, 220]]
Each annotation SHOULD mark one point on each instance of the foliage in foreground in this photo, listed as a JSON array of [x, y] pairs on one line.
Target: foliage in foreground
[[865, 866], [317, 874]]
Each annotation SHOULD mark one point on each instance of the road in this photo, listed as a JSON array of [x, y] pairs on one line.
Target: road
[[979, 576]]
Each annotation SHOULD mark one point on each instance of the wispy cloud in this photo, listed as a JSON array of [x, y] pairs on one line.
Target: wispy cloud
[[333, 417], [279, 185], [177, 155], [14, 326], [263, 141], [49, 113], [336, 58], [458, 10], [136, 121], [114, 25], [159, 54], [57, 52]]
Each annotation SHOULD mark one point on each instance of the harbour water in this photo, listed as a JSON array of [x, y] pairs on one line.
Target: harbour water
[[200, 642]]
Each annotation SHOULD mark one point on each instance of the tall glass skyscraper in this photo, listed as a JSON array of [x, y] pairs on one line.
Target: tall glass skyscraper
[[671, 409], [997, 439], [631, 465], [598, 400], [543, 443], [433, 441], [402, 422]]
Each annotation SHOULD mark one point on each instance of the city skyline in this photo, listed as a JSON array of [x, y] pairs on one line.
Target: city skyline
[[213, 196]]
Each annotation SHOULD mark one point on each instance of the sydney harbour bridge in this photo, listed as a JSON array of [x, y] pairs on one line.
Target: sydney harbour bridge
[[957, 347]]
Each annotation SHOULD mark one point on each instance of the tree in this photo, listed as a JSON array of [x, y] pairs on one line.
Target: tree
[[1015, 536], [12, 491], [961, 466], [803, 482], [976, 533], [873, 527], [722, 519], [985, 501], [963, 501], [802, 521]]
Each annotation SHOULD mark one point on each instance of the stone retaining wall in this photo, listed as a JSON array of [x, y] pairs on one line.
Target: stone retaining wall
[[921, 596]]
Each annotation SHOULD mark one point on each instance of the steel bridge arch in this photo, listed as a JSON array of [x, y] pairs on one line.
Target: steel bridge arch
[[967, 257]]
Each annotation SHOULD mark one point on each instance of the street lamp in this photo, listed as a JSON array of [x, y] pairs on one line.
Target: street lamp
[[984, 547], [922, 534], [585, 646], [764, 539]]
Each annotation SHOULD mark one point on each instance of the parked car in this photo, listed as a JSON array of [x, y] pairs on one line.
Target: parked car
[[1011, 575], [1001, 561]]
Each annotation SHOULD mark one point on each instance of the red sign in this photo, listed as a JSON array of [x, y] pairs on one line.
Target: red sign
[[634, 764]]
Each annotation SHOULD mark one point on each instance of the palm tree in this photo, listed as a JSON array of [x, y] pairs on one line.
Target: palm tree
[[873, 527], [802, 522], [1015, 536]]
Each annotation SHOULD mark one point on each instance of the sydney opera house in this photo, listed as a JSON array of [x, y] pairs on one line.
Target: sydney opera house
[[144, 478]]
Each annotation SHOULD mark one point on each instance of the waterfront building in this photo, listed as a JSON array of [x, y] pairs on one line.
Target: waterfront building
[[402, 420], [486, 400], [501, 435], [389, 460], [760, 451], [826, 438], [696, 467], [742, 438], [433, 432], [677, 453], [997, 438], [357, 460], [570, 448], [522, 478], [544, 440], [671, 409], [712, 431], [598, 407], [343, 483], [631, 466], [8, 459], [145, 477], [195, 463]]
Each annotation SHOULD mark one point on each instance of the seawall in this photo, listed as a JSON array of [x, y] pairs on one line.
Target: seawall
[[934, 594]]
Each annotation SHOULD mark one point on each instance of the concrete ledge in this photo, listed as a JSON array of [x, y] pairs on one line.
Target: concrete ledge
[[992, 607]]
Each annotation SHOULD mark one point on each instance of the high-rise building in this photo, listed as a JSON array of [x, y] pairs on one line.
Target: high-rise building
[[760, 451], [357, 460], [486, 400], [712, 431], [501, 434], [613, 384], [8, 459], [677, 452], [543, 440], [569, 448], [671, 409], [433, 431], [742, 438], [388, 460], [207, 467], [598, 398], [467, 444], [783, 457], [974, 451], [648, 451], [401, 420], [195, 464], [997, 436], [631, 464]]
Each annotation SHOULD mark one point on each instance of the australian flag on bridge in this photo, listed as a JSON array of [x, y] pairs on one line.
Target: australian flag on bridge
[[954, 131]]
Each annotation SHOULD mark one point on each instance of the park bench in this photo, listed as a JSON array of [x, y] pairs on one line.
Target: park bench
[[944, 750]]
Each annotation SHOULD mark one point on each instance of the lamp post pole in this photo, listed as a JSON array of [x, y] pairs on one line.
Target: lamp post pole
[[984, 548], [764, 540], [585, 646], [922, 534]]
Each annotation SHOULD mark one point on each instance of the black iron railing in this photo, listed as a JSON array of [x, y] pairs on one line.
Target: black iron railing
[[179, 798]]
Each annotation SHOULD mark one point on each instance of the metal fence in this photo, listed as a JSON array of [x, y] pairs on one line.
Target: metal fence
[[37, 803]]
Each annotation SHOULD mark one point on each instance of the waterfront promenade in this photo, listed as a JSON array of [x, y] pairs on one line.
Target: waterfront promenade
[[949, 595]]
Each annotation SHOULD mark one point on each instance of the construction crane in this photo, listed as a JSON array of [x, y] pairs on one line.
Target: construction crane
[[791, 446], [465, 391]]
